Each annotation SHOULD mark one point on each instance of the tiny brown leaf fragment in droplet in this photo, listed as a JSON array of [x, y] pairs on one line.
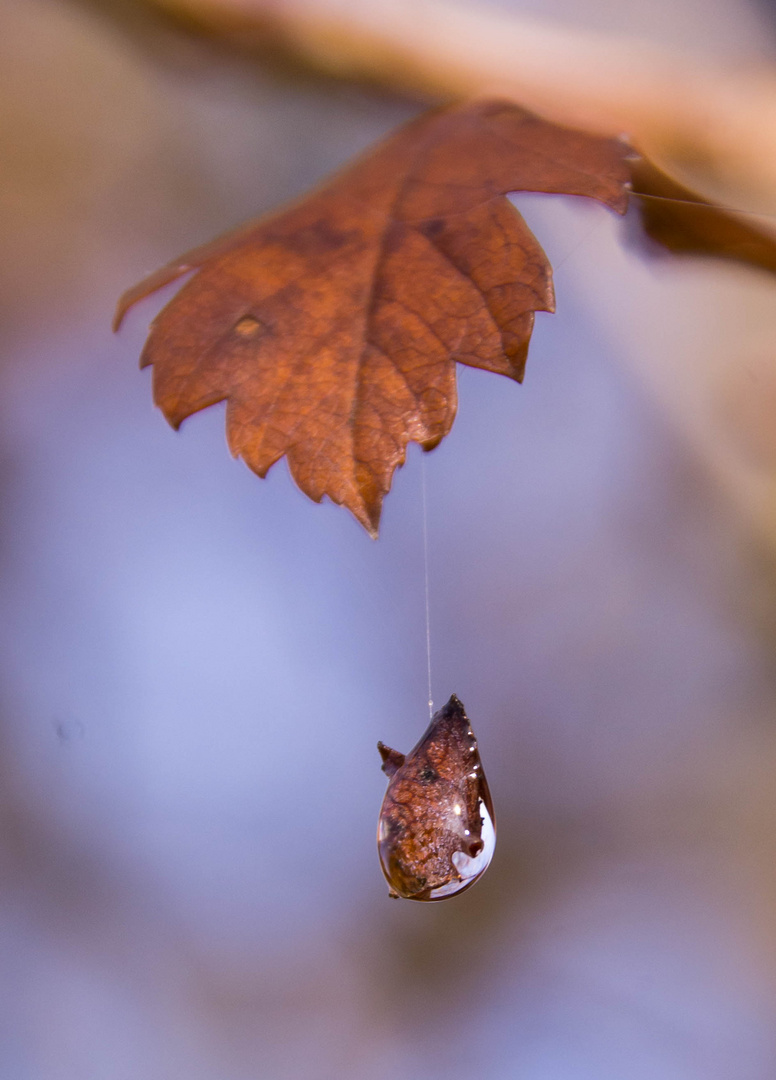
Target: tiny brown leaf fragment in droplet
[[332, 328]]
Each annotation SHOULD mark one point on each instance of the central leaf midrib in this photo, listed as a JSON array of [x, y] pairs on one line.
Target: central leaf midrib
[[372, 299]]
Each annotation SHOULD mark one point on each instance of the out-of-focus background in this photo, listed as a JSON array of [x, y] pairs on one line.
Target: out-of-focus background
[[196, 665]]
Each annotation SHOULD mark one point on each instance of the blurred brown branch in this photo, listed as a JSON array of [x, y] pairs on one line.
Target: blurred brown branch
[[675, 107]]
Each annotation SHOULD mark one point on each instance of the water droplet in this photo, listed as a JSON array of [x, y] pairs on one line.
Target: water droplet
[[437, 830], [247, 326]]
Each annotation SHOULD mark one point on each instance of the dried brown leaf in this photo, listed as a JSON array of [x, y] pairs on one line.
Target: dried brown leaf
[[332, 328]]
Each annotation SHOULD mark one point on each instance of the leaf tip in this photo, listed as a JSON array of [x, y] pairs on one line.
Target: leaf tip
[[125, 302], [370, 519], [367, 514], [173, 419]]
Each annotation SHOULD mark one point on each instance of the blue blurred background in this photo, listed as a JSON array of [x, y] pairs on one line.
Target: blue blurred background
[[196, 665]]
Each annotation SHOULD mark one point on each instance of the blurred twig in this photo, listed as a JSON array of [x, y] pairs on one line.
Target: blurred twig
[[675, 107]]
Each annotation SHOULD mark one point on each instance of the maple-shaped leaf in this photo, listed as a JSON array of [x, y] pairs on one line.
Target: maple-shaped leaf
[[332, 329]]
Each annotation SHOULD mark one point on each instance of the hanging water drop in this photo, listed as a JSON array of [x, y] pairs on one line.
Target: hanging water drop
[[437, 830]]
